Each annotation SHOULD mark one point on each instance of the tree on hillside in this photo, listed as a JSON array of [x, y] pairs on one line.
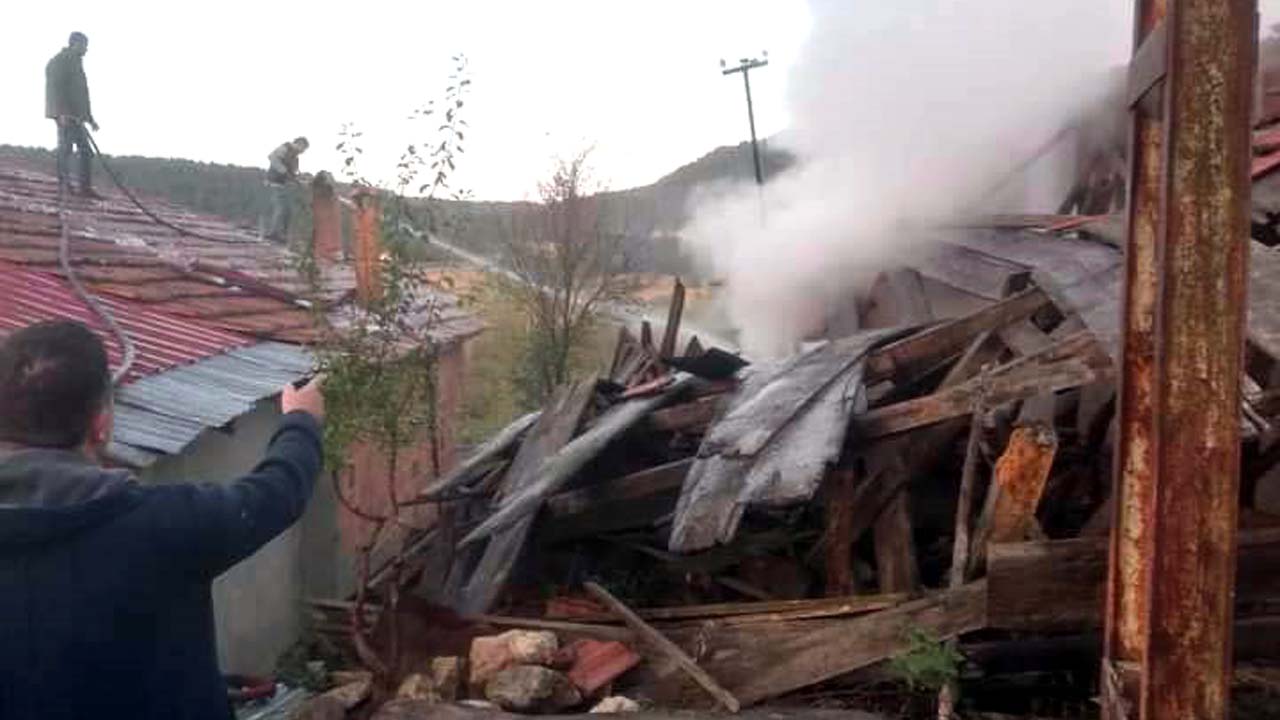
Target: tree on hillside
[[565, 269]]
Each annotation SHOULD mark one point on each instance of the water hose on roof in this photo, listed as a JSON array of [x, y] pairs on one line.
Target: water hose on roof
[[138, 203], [94, 304]]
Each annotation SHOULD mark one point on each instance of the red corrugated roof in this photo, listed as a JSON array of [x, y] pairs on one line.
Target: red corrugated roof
[[228, 278], [162, 341], [234, 281]]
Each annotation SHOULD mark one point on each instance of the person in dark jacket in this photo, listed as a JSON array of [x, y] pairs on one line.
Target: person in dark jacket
[[282, 171], [105, 605], [66, 102]]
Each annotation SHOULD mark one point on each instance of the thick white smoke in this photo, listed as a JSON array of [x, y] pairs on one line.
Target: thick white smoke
[[902, 112]]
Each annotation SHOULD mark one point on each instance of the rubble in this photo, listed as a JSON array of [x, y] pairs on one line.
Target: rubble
[[700, 534], [490, 655], [531, 689], [616, 704]]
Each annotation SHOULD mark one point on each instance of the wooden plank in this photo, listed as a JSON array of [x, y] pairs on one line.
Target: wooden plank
[[480, 461], [1057, 585], [622, 503], [931, 347], [895, 547], [660, 642], [637, 485], [1020, 477], [839, 647], [1069, 363], [690, 417], [674, 313], [840, 580], [747, 613], [556, 427], [621, 350], [899, 299], [553, 472], [1024, 338]]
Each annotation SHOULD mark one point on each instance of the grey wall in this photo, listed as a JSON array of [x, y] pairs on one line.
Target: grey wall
[[257, 603]]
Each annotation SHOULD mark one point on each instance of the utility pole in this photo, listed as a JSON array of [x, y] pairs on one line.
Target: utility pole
[[745, 66]]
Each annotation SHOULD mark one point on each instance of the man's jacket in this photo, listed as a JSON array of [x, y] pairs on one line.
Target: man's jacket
[[66, 90], [105, 603], [284, 164]]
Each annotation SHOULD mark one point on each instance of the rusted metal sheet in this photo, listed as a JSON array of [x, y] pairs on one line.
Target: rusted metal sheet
[[1169, 610], [229, 277], [163, 341]]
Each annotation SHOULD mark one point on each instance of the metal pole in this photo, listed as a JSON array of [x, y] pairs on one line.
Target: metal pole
[[745, 66], [751, 118], [1169, 609]]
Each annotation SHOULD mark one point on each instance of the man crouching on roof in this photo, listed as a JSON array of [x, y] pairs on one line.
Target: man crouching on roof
[[105, 606]]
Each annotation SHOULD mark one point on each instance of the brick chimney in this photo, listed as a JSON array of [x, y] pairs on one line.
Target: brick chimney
[[368, 246], [326, 225]]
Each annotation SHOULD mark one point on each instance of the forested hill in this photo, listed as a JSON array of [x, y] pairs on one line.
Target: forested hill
[[648, 216]]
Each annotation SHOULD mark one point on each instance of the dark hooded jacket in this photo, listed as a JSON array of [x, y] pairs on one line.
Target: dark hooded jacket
[[66, 90], [105, 604]]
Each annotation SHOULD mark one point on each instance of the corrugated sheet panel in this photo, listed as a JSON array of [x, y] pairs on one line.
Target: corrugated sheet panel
[[164, 413], [162, 341]]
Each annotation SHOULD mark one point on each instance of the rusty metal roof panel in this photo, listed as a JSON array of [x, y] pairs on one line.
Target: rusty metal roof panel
[[229, 278], [162, 341]]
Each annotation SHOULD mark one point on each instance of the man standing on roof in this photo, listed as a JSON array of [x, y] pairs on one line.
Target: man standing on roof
[[66, 102], [282, 171], [106, 609]]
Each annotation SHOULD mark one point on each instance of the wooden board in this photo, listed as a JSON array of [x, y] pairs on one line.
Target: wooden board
[[553, 472], [930, 348], [555, 428], [780, 665], [1072, 362], [617, 504], [1058, 585]]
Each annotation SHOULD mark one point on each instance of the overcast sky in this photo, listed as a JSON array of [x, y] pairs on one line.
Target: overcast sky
[[228, 81]]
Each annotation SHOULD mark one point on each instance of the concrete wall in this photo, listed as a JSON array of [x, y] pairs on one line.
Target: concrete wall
[[258, 603]]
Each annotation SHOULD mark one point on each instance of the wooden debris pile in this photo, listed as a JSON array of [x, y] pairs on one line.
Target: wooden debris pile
[[786, 528]]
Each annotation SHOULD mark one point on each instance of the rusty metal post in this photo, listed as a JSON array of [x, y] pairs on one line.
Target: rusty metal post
[[1169, 610], [1132, 490]]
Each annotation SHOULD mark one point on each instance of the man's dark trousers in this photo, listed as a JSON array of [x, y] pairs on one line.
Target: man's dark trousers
[[71, 134]]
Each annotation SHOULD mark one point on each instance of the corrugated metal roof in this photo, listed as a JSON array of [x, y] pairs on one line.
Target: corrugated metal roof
[[164, 413], [233, 280], [162, 341]]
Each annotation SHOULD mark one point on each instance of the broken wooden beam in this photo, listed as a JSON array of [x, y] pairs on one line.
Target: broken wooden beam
[[1020, 476], [799, 659], [671, 333], [627, 502], [839, 495], [554, 429], [1057, 585], [479, 462], [895, 547], [691, 417], [746, 613], [559, 468], [1074, 361], [660, 642], [931, 347]]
